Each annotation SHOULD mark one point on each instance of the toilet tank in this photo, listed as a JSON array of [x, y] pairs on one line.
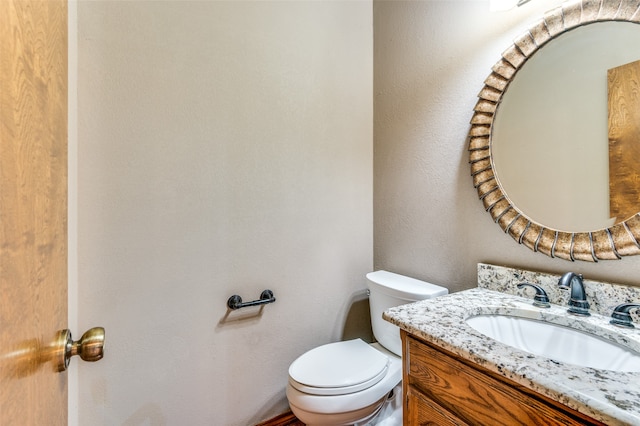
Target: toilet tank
[[387, 290]]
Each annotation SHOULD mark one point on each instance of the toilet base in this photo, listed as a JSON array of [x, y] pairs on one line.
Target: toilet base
[[391, 412]]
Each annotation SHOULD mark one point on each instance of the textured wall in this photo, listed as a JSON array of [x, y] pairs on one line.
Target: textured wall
[[430, 60], [223, 147]]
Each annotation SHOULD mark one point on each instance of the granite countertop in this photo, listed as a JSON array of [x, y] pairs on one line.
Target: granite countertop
[[610, 397]]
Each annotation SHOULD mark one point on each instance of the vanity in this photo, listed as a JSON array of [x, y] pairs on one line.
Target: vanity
[[455, 375], [432, 373]]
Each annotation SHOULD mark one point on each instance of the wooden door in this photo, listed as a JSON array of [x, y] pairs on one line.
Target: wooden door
[[33, 209]]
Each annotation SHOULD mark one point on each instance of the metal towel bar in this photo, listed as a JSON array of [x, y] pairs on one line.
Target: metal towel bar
[[235, 301]]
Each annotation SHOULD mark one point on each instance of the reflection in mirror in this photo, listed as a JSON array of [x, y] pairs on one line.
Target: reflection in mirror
[[588, 242], [624, 140], [549, 143]]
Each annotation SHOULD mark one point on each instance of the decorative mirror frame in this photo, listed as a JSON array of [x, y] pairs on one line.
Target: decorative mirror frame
[[609, 243]]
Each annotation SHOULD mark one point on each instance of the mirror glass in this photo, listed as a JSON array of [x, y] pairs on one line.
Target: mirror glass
[[549, 142]]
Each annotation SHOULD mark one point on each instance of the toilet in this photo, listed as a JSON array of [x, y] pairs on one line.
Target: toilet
[[353, 382]]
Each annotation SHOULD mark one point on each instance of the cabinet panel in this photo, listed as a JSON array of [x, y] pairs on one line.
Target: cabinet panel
[[421, 411], [473, 394]]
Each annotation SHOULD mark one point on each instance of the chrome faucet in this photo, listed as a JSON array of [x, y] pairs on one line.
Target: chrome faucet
[[621, 316], [578, 300]]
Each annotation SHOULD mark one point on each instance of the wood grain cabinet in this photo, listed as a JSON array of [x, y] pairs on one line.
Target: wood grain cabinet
[[441, 388]]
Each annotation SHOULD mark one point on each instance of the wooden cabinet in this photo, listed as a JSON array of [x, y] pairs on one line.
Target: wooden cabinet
[[441, 388]]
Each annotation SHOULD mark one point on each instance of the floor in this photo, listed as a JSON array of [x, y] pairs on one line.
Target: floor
[[294, 422], [286, 419]]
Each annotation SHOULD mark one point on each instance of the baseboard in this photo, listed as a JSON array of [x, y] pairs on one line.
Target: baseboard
[[286, 419]]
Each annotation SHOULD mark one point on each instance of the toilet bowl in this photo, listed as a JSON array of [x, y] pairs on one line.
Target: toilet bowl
[[349, 382], [325, 396]]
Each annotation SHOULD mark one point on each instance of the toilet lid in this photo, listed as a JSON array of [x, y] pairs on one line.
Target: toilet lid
[[338, 368]]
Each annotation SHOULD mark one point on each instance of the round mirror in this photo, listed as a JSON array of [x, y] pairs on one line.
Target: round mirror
[[540, 150], [549, 144]]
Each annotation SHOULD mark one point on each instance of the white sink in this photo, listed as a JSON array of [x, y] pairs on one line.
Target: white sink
[[559, 343]]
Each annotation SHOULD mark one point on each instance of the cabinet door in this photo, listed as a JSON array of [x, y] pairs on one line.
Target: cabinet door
[[421, 411]]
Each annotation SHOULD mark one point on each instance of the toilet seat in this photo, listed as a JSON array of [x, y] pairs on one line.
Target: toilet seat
[[338, 368]]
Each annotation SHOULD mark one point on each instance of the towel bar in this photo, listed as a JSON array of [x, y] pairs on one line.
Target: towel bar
[[235, 301]]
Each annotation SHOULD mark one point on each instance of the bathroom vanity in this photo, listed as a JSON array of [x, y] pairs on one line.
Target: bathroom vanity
[[455, 375], [445, 389]]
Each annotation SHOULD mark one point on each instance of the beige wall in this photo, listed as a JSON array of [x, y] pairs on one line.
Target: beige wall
[[226, 147], [223, 148], [430, 60]]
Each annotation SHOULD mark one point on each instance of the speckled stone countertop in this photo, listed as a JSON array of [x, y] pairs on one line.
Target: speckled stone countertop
[[608, 396]]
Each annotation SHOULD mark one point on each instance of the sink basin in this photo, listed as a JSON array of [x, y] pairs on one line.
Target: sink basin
[[559, 343]]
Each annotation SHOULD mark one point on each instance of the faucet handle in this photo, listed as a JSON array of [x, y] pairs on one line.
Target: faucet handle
[[541, 300], [621, 316]]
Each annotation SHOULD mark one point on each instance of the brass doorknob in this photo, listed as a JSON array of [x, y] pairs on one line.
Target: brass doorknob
[[90, 347]]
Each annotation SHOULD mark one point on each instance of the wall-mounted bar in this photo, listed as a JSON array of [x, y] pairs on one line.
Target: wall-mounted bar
[[235, 301]]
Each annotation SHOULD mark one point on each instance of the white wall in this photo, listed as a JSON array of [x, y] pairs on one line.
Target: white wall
[[431, 59], [223, 148]]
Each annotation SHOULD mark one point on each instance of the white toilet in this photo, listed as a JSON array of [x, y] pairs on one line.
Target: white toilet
[[348, 383]]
